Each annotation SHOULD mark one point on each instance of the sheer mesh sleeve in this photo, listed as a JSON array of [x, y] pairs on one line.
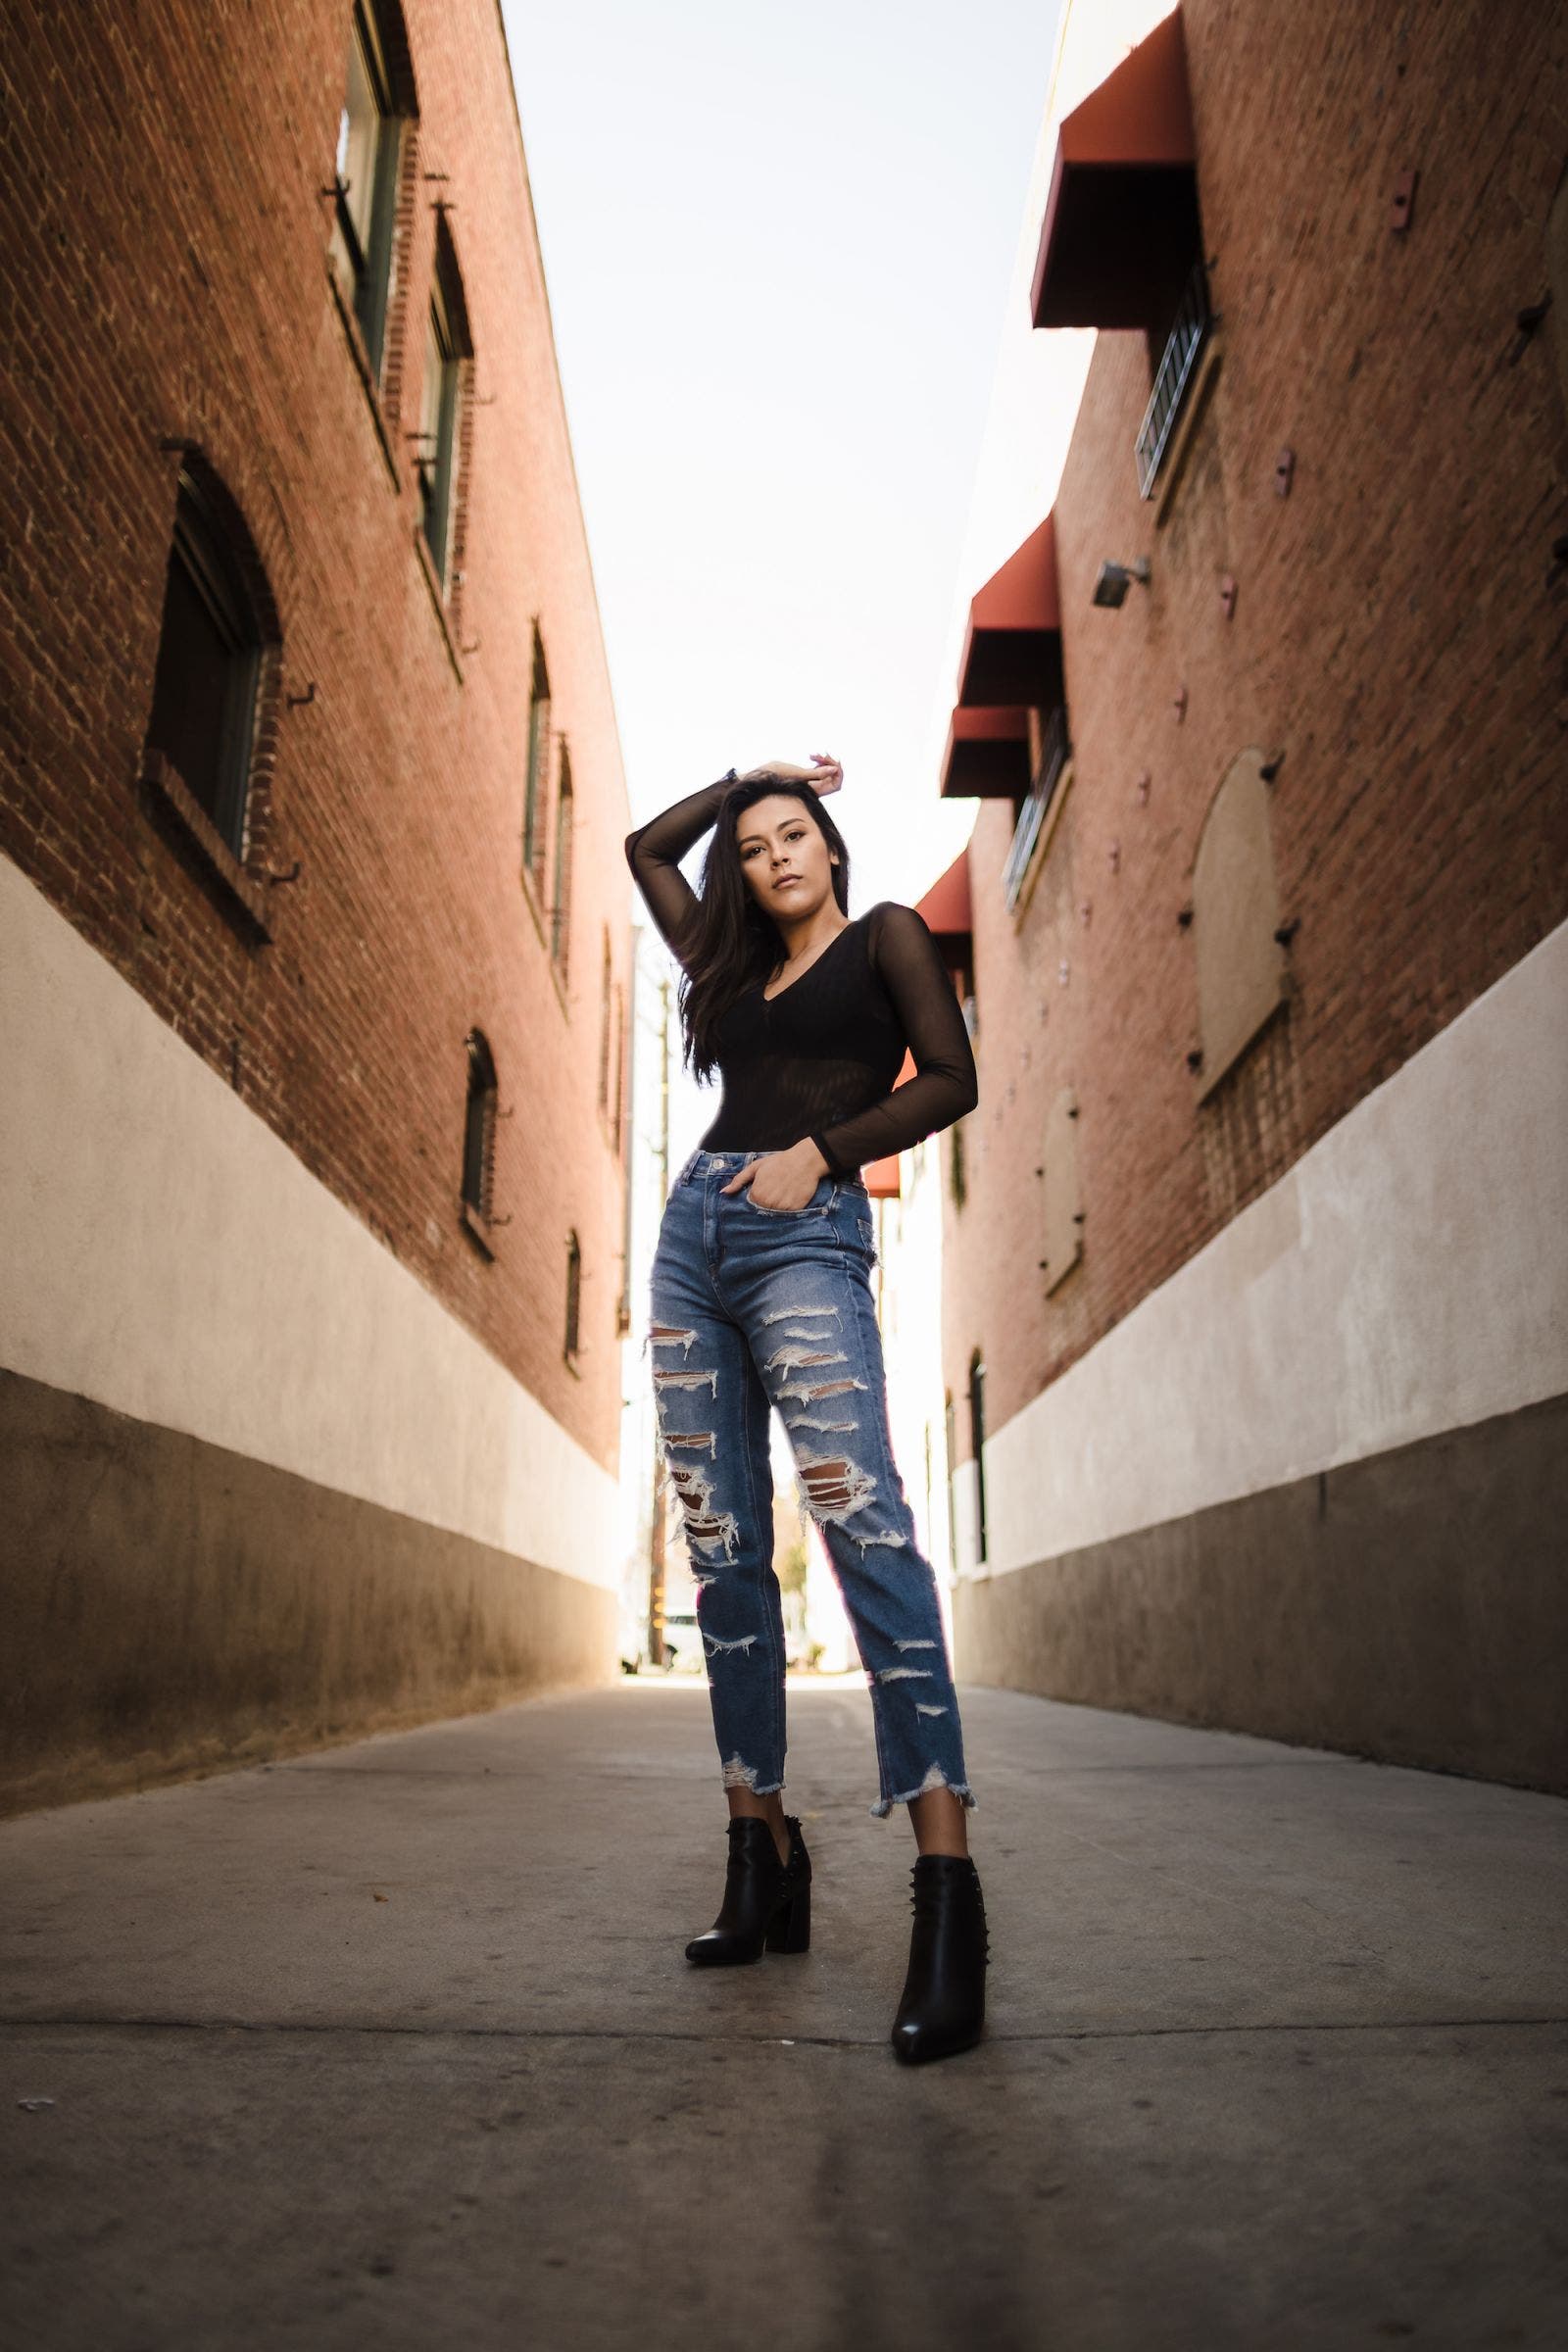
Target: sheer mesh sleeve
[[655, 852], [945, 1085]]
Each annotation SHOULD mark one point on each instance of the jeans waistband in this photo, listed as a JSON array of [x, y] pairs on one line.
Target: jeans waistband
[[702, 1164]]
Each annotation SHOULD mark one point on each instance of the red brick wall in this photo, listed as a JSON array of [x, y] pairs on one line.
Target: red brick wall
[[1394, 633], [166, 278]]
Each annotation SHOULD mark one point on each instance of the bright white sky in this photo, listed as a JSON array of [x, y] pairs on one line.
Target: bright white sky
[[778, 243]]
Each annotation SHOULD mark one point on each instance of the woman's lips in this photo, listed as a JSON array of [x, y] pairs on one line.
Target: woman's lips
[[786, 881]]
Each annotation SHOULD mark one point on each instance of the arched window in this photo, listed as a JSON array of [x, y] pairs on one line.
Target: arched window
[[573, 1297], [537, 783], [377, 102], [480, 1134], [215, 629], [977, 1441], [1241, 972], [560, 912]]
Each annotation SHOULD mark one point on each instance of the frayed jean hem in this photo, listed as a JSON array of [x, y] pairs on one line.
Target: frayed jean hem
[[933, 1781]]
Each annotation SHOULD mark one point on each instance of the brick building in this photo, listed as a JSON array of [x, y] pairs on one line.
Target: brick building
[[315, 913], [1256, 1244]]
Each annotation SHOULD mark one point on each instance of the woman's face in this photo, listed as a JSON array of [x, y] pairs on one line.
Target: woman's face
[[785, 857]]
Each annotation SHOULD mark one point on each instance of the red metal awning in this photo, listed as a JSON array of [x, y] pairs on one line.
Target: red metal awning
[[946, 909], [1013, 646], [987, 755], [946, 905], [1121, 228]]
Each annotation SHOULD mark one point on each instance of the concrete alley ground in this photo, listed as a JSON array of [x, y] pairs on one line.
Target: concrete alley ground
[[394, 2046]]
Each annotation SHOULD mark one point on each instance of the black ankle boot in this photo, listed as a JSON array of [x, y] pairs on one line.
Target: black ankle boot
[[944, 2003], [765, 1901]]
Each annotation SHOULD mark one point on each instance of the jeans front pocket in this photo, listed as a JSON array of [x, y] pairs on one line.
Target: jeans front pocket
[[818, 1205]]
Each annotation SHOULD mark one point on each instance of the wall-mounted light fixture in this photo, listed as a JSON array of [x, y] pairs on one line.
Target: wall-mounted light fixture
[[1111, 586]]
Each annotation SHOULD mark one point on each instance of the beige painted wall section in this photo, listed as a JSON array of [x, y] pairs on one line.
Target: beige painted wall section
[[166, 1255], [1408, 1276]]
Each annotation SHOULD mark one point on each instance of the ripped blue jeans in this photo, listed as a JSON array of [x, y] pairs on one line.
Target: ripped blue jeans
[[755, 1309]]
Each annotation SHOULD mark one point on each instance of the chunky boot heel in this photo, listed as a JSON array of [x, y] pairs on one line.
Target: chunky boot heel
[[944, 2003], [789, 1928], [759, 1892]]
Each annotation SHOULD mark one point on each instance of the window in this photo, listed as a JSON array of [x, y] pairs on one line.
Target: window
[[209, 663], [1173, 377], [369, 144], [605, 978], [950, 1434], [479, 1133], [617, 1099], [1049, 746], [573, 1297], [537, 785], [560, 912], [446, 348], [977, 1444]]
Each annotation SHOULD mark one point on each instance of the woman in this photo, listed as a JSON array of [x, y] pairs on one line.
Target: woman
[[762, 1300]]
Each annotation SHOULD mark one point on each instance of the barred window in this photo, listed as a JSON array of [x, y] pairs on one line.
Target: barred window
[[479, 1129]]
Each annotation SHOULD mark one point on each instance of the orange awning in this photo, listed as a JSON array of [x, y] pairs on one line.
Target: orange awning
[[946, 909], [987, 755], [1013, 647], [1121, 228], [946, 905]]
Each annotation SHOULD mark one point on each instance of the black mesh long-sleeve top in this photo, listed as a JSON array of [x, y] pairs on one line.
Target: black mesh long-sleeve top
[[820, 1057]]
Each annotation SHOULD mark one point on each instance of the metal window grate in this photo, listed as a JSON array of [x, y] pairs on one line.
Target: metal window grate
[[1172, 378], [1032, 815]]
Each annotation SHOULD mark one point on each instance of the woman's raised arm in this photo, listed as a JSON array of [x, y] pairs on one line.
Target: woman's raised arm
[[655, 852]]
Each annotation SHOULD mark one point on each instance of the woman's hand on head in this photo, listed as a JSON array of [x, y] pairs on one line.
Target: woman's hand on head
[[825, 773], [782, 1179]]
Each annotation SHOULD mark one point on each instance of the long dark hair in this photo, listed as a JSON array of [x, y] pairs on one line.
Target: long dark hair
[[731, 943]]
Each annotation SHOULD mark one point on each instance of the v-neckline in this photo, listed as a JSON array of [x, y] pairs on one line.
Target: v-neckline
[[810, 967]]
